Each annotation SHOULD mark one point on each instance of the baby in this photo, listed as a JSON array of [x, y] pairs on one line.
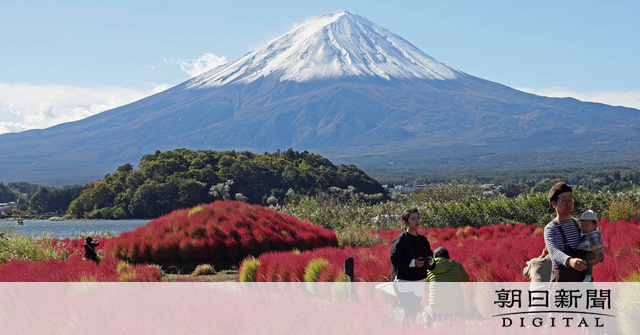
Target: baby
[[590, 240]]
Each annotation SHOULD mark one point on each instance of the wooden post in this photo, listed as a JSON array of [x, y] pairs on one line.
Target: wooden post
[[348, 268]]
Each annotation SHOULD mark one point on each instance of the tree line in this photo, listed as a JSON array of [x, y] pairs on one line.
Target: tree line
[[602, 183], [516, 182], [182, 178], [37, 199]]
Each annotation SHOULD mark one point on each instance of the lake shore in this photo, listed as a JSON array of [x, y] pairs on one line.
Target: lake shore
[[72, 228]]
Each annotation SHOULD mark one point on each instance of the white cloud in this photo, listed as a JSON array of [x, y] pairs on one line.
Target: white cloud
[[196, 67], [12, 127], [25, 106], [613, 98]]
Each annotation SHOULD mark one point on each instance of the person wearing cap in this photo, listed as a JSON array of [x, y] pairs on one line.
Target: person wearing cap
[[562, 237], [90, 249], [445, 292], [590, 241]]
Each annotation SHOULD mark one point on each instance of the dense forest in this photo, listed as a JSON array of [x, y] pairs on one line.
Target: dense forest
[[39, 199], [7, 194], [182, 178]]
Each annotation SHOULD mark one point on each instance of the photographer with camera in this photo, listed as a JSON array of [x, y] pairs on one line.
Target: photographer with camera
[[90, 249], [411, 257]]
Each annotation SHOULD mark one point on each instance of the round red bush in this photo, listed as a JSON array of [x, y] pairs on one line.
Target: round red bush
[[223, 230]]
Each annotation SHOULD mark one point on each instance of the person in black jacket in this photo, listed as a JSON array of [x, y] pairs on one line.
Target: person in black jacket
[[411, 257], [90, 249]]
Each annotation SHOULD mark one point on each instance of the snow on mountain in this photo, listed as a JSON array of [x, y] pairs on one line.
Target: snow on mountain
[[321, 87], [330, 46]]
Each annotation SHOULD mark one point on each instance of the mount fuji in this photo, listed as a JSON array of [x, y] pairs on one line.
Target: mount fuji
[[344, 87]]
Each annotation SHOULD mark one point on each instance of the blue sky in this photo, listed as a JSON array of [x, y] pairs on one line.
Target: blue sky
[[65, 60]]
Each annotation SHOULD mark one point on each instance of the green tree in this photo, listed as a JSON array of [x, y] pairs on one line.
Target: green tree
[[183, 178], [221, 191], [7, 194], [102, 195], [149, 200], [252, 180], [54, 200]]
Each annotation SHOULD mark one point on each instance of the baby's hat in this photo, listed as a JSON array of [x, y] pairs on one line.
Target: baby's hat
[[589, 215]]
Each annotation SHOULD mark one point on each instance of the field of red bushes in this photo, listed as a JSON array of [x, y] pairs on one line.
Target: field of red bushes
[[288, 249], [221, 231], [489, 254], [75, 268]]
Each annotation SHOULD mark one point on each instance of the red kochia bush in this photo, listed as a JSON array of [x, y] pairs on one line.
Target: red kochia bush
[[75, 269], [220, 231], [371, 264], [491, 253]]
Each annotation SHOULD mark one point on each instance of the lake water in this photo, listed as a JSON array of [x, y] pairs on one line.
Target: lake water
[[68, 229]]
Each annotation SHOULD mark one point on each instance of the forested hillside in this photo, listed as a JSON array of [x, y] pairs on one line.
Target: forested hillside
[[7, 194], [182, 178]]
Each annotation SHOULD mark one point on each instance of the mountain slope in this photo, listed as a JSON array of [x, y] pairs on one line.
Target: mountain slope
[[343, 87], [330, 46]]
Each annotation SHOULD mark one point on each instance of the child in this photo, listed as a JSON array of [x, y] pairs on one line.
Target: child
[[590, 240]]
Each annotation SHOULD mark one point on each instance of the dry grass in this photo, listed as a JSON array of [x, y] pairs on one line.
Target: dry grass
[[220, 277]]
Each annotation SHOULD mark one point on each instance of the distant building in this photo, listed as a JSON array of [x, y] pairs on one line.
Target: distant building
[[400, 189], [404, 189], [6, 205], [491, 188], [487, 188]]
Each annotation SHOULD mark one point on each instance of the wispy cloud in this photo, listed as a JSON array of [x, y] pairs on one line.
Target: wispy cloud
[[25, 106], [613, 98], [196, 67], [12, 127]]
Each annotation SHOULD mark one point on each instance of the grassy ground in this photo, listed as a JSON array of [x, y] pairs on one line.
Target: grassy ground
[[223, 276]]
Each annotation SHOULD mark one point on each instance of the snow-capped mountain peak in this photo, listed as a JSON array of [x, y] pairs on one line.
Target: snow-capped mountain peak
[[330, 46]]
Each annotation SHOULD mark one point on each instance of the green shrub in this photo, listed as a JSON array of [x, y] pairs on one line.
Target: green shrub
[[130, 275], [358, 238], [342, 278], [27, 248], [312, 270], [440, 205], [195, 210], [623, 210], [123, 267], [249, 269], [204, 270]]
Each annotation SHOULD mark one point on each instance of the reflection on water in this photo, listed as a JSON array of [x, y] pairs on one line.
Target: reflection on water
[[64, 229]]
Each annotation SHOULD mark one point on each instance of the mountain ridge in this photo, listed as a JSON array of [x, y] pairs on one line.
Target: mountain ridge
[[328, 46], [417, 123]]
